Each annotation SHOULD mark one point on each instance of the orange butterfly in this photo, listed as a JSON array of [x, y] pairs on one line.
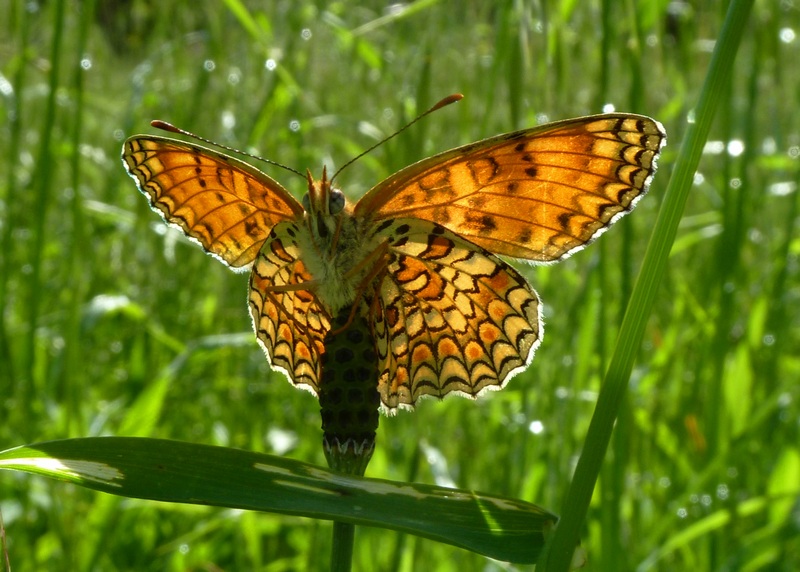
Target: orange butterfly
[[417, 255]]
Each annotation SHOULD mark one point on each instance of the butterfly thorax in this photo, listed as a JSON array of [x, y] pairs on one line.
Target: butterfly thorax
[[335, 250]]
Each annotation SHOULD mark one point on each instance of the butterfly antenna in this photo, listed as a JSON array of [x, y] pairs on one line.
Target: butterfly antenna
[[164, 126], [444, 102]]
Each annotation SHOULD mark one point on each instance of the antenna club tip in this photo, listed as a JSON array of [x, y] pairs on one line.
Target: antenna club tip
[[164, 126], [448, 100]]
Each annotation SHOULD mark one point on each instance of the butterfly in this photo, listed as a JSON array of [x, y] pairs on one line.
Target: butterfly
[[419, 255]]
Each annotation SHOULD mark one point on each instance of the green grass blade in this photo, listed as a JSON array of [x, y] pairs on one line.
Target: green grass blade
[[44, 193], [565, 539], [174, 471], [245, 18]]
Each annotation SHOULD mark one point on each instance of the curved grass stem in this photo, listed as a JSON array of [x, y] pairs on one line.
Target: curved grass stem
[[558, 553]]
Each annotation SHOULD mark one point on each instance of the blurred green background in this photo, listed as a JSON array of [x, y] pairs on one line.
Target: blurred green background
[[114, 325]]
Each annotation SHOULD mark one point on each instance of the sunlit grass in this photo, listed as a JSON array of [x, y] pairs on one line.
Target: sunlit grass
[[703, 467]]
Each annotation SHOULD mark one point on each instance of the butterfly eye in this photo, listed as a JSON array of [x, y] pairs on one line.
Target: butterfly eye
[[307, 203], [336, 202]]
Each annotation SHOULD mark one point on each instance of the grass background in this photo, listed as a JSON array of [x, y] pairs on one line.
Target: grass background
[[100, 303]]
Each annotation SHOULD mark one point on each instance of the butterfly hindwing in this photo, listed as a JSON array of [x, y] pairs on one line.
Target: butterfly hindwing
[[289, 321], [448, 317]]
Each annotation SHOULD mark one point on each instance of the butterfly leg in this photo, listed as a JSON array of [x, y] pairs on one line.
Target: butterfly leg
[[308, 285]]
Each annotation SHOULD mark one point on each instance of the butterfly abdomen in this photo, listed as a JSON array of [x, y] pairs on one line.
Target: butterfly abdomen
[[348, 394]]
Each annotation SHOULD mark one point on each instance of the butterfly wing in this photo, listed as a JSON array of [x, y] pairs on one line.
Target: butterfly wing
[[538, 194], [225, 205], [448, 316], [289, 321]]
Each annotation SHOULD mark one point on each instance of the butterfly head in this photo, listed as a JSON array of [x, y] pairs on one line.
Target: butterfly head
[[324, 205], [322, 199]]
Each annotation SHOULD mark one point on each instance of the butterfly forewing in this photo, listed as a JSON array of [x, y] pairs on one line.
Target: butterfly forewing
[[226, 205], [537, 194], [448, 316]]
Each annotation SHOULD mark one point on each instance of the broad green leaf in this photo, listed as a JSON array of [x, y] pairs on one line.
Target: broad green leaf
[[174, 471]]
